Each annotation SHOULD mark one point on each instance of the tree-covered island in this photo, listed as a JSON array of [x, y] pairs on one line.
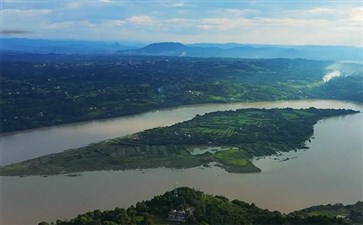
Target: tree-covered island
[[188, 206], [235, 136]]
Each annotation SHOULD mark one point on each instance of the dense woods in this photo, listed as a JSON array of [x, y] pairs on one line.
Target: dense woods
[[47, 89], [203, 209]]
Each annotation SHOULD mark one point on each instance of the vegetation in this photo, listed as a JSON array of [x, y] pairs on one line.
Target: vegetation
[[353, 213], [200, 209], [241, 134], [48, 89]]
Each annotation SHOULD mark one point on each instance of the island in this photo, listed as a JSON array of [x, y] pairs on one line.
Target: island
[[188, 206], [229, 139]]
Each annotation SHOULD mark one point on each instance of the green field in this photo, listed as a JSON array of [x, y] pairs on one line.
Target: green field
[[45, 90], [241, 134]]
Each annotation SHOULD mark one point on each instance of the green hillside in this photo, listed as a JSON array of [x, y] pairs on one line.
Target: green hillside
[[196, 207]]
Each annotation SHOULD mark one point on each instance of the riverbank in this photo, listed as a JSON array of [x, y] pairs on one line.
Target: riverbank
[[333, 157], [251, 132], [44, 141], [32, 96]]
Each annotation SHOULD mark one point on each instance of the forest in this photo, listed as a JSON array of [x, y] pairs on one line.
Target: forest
[[240, 135], [40, 90], [205, 209]]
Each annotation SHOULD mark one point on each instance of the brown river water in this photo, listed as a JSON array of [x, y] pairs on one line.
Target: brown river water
[[329, 172]]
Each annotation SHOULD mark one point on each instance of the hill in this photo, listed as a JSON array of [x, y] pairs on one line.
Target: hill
[[228, 50], [62, 46], [188, 206], [248, 51], [352, 212]]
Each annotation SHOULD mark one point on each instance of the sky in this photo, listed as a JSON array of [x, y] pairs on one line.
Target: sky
[[287, 22]]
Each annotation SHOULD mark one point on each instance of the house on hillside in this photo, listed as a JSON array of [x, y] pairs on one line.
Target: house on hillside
[[177, 215], [180, 215]]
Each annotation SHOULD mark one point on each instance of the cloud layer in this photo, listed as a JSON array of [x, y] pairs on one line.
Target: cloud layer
[[315, 22]]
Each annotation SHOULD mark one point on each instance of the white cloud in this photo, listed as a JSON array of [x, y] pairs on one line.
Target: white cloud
[[357, 14], [190, 22], [312, 13], [319, 10], [61, 25], [179, 21], [177, 4], [73, 5], [114, 23], [68, 25], [236, 12], [173, 4], [223, 23], [24, 12], [309, 23], [141, 20], [86, 23], [230, 23]]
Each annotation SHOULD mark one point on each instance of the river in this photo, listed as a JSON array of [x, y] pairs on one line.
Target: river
[[329, 172]]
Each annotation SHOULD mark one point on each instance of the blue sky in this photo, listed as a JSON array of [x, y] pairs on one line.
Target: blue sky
[[260, 22]]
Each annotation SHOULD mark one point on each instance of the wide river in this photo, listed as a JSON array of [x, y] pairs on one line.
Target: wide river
[[329, 172]]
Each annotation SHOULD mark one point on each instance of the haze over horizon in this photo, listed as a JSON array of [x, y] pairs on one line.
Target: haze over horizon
[[253, 22]]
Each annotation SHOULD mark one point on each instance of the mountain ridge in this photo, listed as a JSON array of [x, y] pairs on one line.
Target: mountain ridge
[[227, 50], [247, 51]]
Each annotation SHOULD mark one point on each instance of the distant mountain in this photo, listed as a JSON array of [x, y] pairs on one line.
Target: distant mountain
[[249, 51], [232, 50], [62, 46], [165, 49]]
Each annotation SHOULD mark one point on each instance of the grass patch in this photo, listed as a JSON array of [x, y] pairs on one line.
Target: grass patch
[[234, 160], [232, 157]]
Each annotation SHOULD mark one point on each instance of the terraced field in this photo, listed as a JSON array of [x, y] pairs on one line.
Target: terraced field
[[240, 134]]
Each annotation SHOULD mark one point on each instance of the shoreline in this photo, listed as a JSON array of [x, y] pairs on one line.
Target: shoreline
[[168, 146], [167, 108]]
